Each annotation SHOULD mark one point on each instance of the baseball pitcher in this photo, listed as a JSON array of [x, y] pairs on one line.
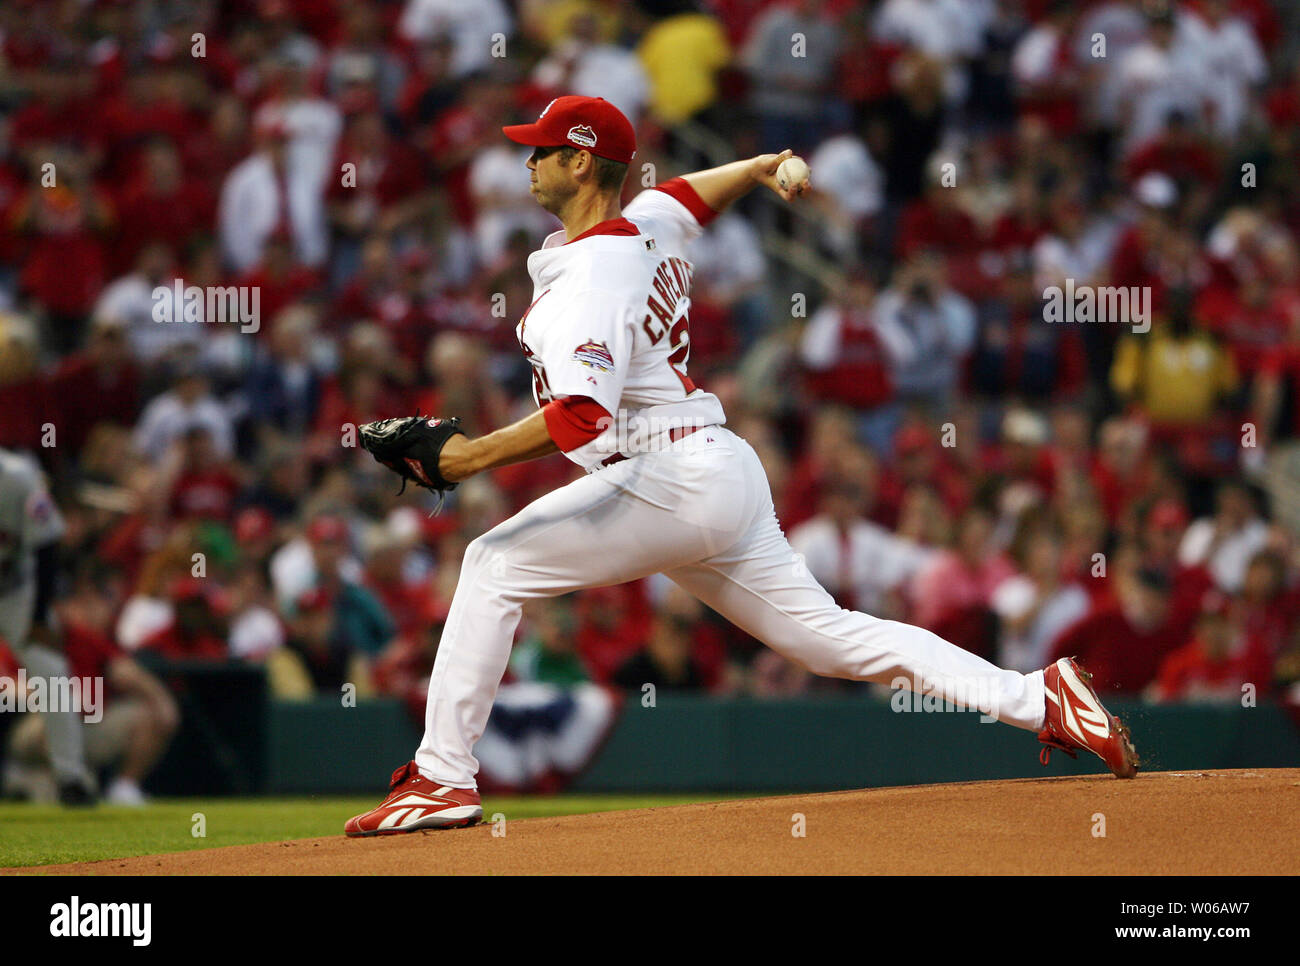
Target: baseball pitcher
[[668, 487]]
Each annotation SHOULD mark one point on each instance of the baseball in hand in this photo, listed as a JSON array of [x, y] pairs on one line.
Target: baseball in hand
[[792, 174]]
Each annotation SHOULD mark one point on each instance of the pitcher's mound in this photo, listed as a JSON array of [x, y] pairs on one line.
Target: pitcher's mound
[[1169, 823]]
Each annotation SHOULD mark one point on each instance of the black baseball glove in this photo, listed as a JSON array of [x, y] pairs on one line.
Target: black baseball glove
[[410, 447]]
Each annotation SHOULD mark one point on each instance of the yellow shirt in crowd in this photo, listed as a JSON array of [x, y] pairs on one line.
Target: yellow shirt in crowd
[[1174, 379], [682, 55]]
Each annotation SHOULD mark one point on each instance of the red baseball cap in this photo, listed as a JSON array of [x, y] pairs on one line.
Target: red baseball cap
[[587, 123]]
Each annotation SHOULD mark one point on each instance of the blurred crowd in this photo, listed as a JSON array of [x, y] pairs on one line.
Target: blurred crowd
[[938, 452]]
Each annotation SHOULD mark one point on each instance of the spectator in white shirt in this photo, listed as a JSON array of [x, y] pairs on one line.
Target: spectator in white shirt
[[1226, 542], [130, 301], [187, 405], [1234, 65], [323, 551], [730, 268], [859, 562], [1165, 74], [849, 189], [1078, 248], [950, 31], [1105, 35], [267, 192], [503, 205], [312, 124], [1034, 606], [928, 330], [472, 24], [581, 64]]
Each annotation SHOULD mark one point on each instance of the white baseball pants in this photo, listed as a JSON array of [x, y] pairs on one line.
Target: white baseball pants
[[700, 511]]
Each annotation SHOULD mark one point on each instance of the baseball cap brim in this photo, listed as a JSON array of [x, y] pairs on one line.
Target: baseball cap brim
[[531, 135]]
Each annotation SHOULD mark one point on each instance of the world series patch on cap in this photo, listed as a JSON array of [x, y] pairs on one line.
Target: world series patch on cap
[[588, 123]]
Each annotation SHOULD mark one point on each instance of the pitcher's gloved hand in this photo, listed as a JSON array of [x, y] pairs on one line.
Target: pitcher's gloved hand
[[410, 447]]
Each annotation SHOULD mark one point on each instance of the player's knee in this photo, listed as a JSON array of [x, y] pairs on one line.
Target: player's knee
[[163, 719], [477, 555], [484, 561]]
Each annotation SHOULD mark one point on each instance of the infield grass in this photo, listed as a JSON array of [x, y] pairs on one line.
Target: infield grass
[[48, 834]]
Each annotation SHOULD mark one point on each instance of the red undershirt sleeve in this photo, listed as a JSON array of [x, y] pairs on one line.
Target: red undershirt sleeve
[[574, 421], [680, 189]]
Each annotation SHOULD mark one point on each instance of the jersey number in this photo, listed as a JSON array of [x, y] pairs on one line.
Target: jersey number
[[541, 387], [679, 341]]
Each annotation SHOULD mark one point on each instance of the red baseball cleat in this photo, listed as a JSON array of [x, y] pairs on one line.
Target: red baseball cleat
[[415, 803], [1076, 719]]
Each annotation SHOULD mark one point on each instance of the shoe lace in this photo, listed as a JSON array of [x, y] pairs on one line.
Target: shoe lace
[[1050, 743]]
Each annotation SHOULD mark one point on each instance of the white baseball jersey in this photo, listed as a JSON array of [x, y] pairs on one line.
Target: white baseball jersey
[[28, 520], [609, 320]]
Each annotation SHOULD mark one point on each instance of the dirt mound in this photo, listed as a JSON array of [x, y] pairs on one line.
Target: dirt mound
[[1170, 823]]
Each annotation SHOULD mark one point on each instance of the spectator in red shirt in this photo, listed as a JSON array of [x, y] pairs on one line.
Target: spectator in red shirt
[[212, 150], [845, 361], [612, 623], [65, 114], [831, 432], [936, 222], [1161, 534], [197, 630], [1024, 459], [1019, 227], [1215, 664], [1178, 152], [457, 366], [387, 190], [97, 385], [366, 388], [1253, 319], [151, 105], [164, 205], [461, 133], [402, 670], [407, 600], [1266, 609], [1122, 646], [65, 227], [205, 484], [1121, 467], [960, 582], [920, 460], [668, 661], [278, 278]]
